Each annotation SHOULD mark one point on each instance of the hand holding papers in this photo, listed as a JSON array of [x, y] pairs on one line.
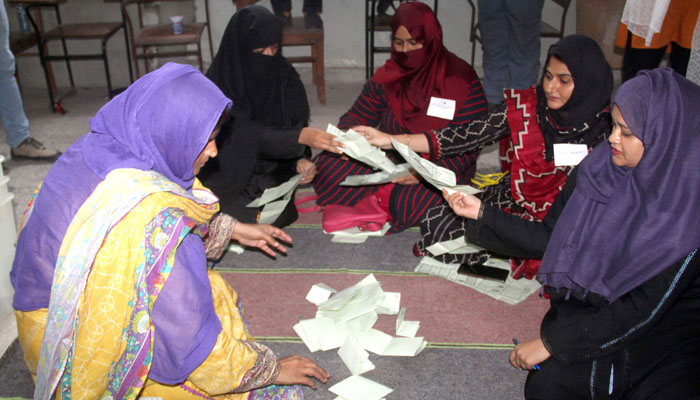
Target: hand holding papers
[[357, 147], [437, 176]]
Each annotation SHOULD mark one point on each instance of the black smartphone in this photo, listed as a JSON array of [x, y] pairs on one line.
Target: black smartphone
[[484, 271]]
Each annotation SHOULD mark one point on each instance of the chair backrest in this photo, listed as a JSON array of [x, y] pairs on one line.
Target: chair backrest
[[564, 4]]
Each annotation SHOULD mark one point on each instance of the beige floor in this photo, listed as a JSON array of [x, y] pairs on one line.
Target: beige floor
[[59, 131]]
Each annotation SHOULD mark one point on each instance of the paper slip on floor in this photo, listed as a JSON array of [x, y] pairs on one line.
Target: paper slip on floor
[[355, 235], [436, 175], [454, 246], [359, 388], [345, 319], [512, 291], [357, 147]]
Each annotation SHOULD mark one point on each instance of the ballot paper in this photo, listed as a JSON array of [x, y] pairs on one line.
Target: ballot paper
[[436, 175], [319, 293], [569, 154], [377, 178], [406, 328], [454, 246], [512, 291], [357, 387], [357, 147], [390, 303], [355, 357], [355, 235], [404, 347], [235, 248], [276, 192], [273, 209], [345, 321]]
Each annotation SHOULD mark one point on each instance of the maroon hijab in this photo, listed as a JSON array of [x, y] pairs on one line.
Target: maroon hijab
[[411, 79]]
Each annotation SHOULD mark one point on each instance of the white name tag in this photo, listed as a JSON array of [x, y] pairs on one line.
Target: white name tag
[[566, 154], [442, 108]]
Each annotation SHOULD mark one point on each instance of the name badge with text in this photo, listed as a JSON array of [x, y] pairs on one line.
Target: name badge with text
[[566, 154], [442, 108]]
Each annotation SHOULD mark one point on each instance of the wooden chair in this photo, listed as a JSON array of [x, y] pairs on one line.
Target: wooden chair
[[546, 31], [296, 34], [379, 23], [101, 31], [142, 37]]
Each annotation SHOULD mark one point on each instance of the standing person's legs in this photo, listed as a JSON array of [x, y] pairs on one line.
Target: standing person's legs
[[495, 35], [679, 58], [11, 110], [525, 19], [635, 60], [313, 6]]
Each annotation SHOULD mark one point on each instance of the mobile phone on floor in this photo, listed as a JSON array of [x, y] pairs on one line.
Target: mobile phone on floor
[[484, 271]]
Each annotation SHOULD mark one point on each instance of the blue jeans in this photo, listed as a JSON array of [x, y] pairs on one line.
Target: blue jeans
[[11, 110], [510, 36]]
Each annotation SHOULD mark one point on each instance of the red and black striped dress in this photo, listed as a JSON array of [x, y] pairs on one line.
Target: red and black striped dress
[[407, 203]]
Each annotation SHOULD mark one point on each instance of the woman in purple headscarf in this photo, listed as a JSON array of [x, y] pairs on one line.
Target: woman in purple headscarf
[[621, 267], [113, 297]]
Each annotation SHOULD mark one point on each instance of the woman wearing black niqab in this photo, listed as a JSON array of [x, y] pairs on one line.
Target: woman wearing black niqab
[[263, 145]]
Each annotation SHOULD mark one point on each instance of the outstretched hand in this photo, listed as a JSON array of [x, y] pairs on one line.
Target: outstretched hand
[[374, 136], [464, 205], [298, 370], [318, 139], [262, 236], [528, 354]]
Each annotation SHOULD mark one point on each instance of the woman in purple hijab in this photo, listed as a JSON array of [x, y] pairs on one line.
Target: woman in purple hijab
[[621, 267], [112, 293]]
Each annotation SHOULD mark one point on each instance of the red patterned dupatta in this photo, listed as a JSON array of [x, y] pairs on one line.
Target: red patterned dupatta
[[535, 182]]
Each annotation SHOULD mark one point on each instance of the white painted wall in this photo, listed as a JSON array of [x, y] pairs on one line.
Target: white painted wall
[[344, 35]]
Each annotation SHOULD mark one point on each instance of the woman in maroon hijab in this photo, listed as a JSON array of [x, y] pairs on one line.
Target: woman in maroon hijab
[[397, 100]]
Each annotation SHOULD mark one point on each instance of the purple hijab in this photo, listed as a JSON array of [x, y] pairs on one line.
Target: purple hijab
[[622, 226], [161, 122]]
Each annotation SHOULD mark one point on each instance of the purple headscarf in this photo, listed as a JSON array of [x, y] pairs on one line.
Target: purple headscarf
[[622, 226], [161, 122]]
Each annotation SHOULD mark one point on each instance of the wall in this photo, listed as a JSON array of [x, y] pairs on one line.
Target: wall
[[344, 31]]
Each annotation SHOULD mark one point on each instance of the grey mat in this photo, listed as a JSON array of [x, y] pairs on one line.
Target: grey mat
[[445, 374], [436, 373], [314, 249]]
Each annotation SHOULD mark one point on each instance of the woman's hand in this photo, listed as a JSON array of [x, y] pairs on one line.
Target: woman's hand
[[410, 179], [307, 170], [374, 136], [297, 370], [318, 139], [528, 354], [464, 205], [262, 236]]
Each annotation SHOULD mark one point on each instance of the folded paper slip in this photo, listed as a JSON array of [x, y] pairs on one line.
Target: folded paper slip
[[436, 175], [359, 388]]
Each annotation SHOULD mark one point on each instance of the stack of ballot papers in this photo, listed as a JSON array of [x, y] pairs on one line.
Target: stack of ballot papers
[[512, 291], [273, 209], [357, 147], [344, 320], [441, 178]]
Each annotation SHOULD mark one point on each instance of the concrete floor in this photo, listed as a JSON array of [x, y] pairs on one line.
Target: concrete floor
[[60, 131]]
